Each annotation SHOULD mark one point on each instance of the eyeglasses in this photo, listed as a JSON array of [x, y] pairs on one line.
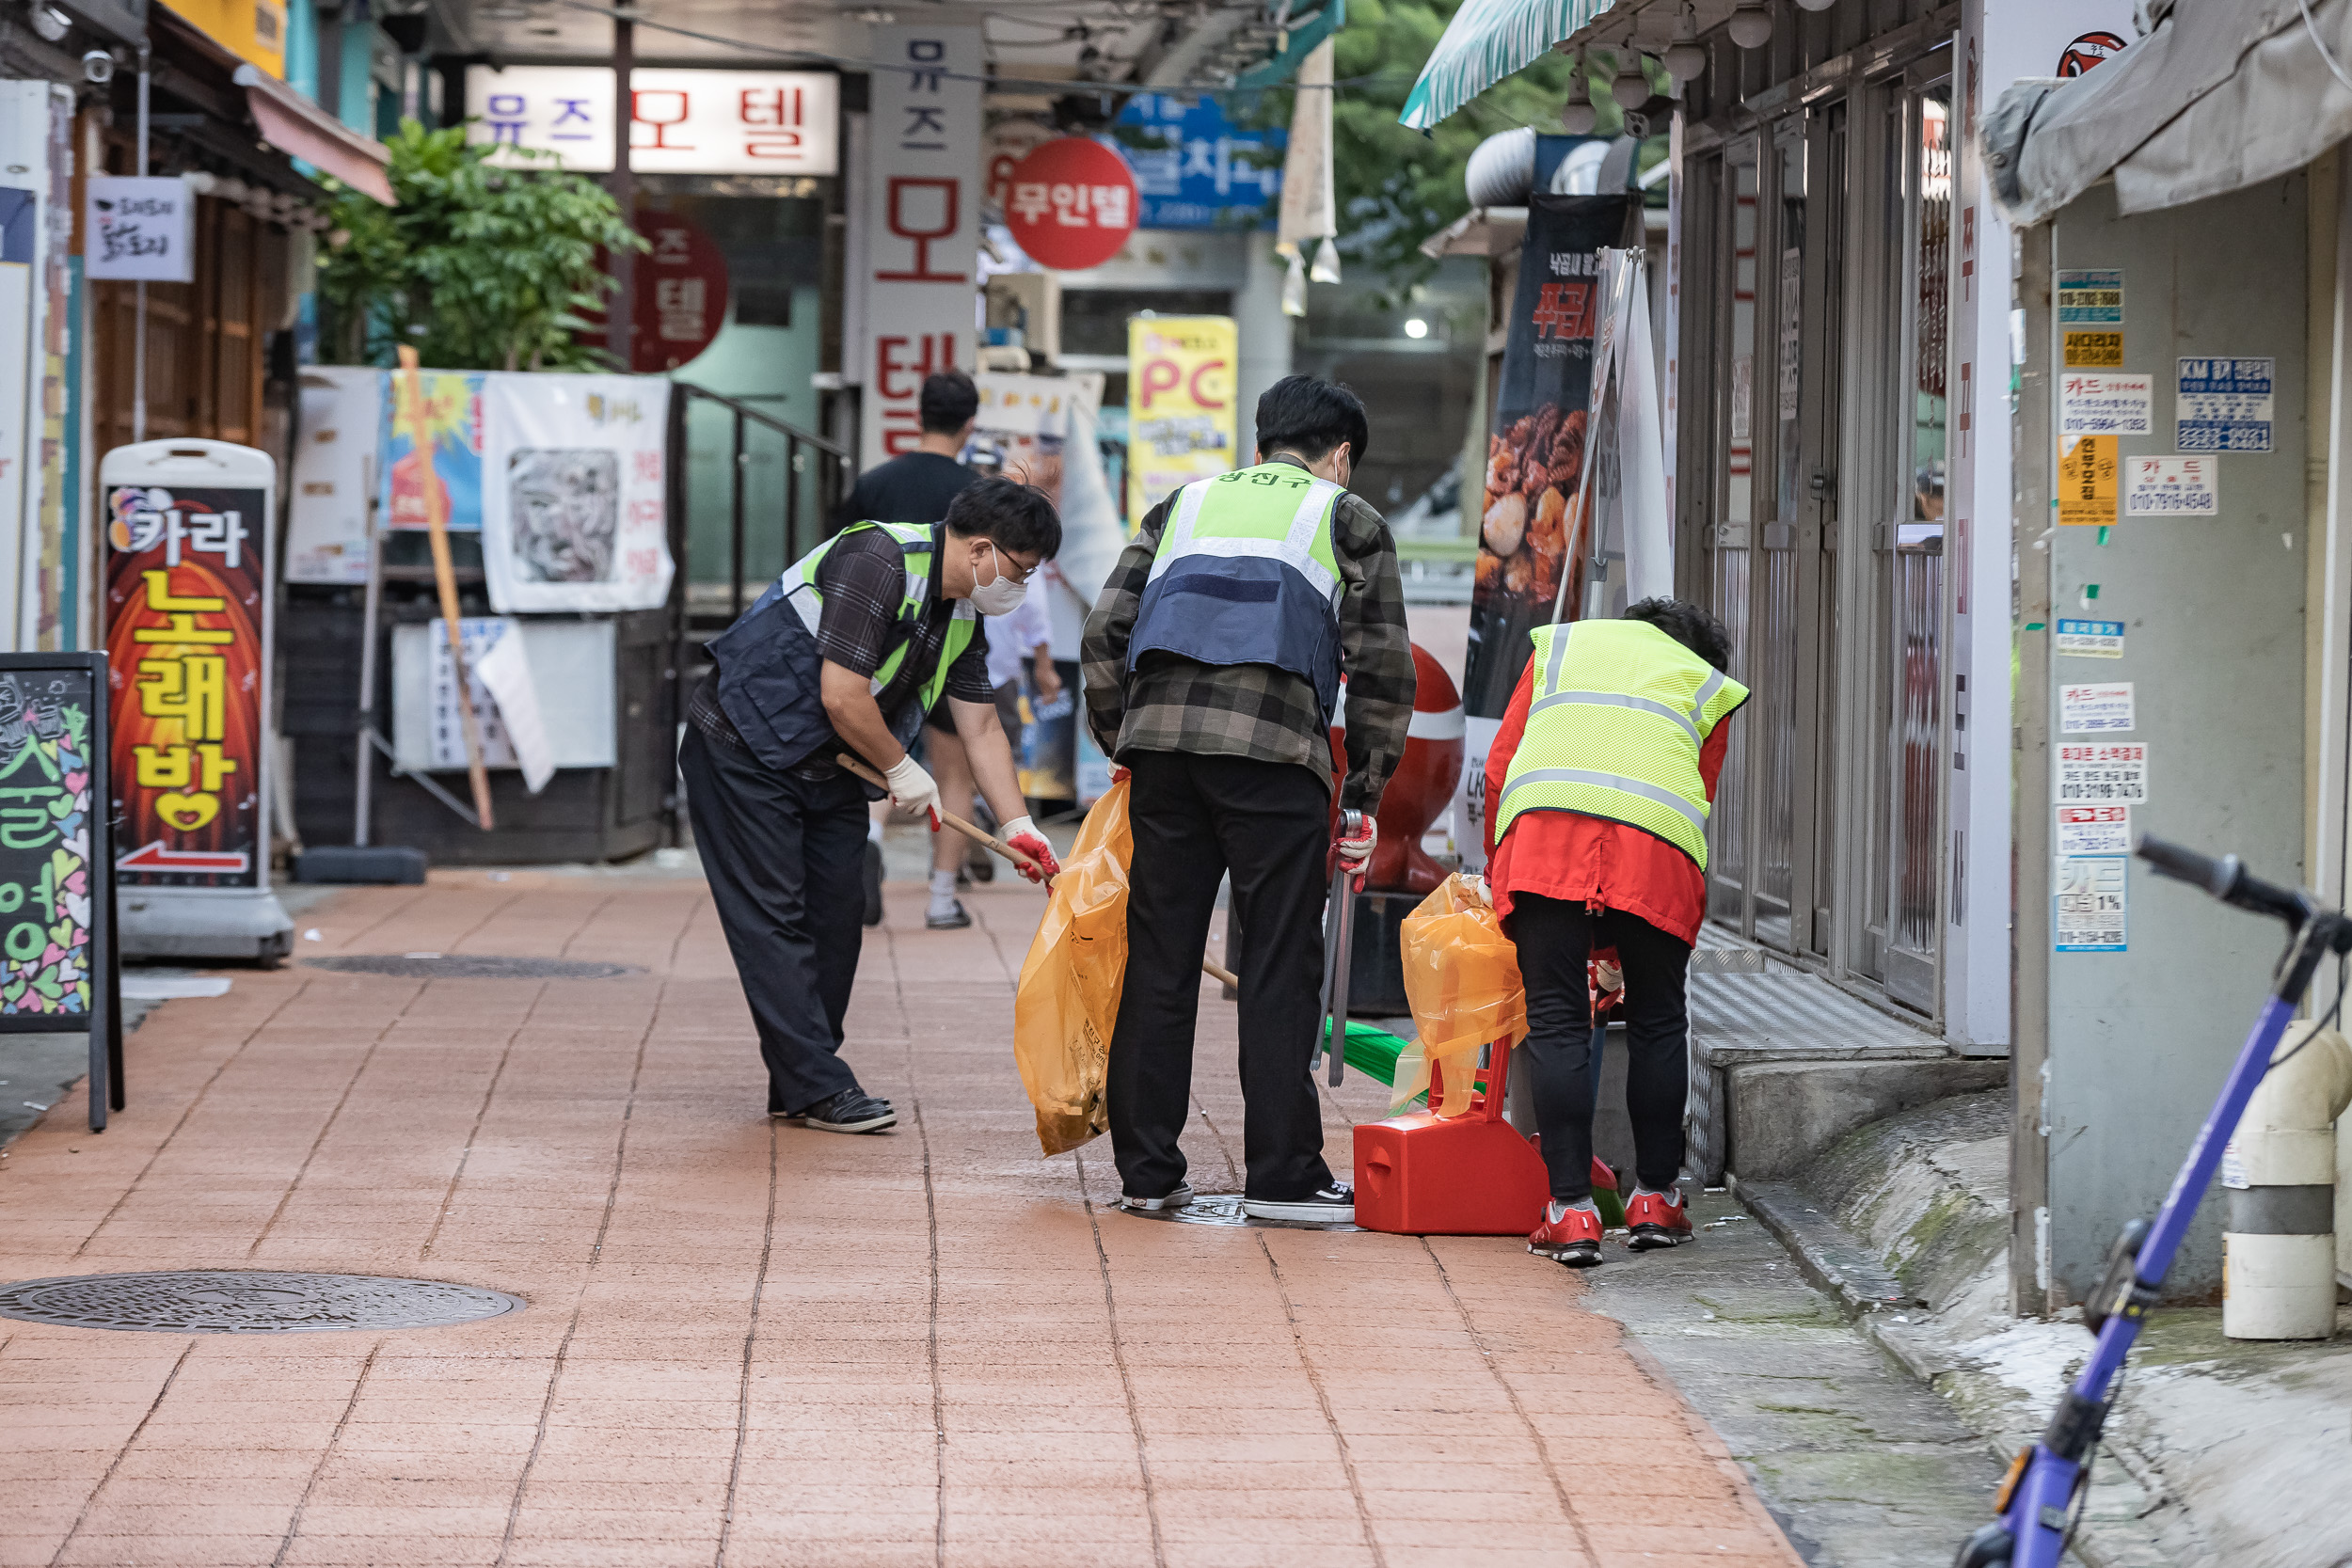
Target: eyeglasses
[[1008, 566]]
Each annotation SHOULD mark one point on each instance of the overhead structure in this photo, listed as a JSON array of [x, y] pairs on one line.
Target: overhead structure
[[2222, 95]]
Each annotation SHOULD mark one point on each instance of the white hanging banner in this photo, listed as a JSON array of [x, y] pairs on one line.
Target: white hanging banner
[[1647, 523], [922, 221], [326, 515], [574, 500]]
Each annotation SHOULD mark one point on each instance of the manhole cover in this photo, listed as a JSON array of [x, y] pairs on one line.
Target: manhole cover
[[1225, 1208], [219, 1301], [470, 966]]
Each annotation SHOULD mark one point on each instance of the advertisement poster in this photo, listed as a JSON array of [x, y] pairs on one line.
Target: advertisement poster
[[2090, 639], [2224, 406], [2087, 483], [2113, 773], [46, 788], [923, 206], [2094, 830], [1535, 448], [2093, 891], [1180, 406], [453, 418], [186, 599], [1195, 168], [2102, 707], [2172, 487], [326, 515], [574, 516], [2091, 402]]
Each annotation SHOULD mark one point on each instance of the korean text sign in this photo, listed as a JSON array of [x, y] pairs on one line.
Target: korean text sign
[[139, 227], [187, 591], [1196, 170], [922, 223], [51, 881], [685, 121], [1180, 405]]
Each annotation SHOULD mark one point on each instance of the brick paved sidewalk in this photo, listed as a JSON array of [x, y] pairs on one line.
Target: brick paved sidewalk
[[758, 1345]]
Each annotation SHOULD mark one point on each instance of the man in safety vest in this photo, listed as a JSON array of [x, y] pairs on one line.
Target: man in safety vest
[[1599, 787], [1213, 664], [847, 651]]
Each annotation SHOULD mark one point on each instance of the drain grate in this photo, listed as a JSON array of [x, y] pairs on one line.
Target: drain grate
[[470, 966], [220, 1301], [1225, 1208]]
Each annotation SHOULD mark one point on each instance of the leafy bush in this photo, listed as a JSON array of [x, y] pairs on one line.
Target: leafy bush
[[480, 267]]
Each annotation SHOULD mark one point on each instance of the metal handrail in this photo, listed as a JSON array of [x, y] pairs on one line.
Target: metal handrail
[[795, 438], [765, 417]]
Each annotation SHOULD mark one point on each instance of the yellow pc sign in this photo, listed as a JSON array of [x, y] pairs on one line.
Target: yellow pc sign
[[1180, 406]]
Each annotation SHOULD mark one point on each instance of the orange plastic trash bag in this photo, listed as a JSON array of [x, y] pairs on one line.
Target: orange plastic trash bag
[[1462, 981], [1070, 983]]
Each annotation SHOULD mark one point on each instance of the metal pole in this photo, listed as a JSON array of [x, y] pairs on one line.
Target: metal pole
[[735, 536], [138, 329], [792, 498], [363, 797], [621, 315]]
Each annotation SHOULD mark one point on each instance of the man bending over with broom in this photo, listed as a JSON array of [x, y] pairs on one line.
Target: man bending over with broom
[[1599, 783]]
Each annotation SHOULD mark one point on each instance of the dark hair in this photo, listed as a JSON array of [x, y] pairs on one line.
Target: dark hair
[[1688, 625], [950, 400], [1014, 516], [1310, 416]]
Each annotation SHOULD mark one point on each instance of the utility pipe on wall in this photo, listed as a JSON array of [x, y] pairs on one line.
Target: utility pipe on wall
[[2278, 1244]]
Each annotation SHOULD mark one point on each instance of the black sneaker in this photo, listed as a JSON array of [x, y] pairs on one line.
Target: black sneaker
[[873, 882], [1177, 1199], [850, 1111], [956, 919], [1334, 1205]]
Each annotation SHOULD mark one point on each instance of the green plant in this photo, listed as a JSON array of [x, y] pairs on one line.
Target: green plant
[[1396, 187], [480, 267]]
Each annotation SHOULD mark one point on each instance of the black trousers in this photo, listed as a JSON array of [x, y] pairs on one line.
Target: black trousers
[[1194, 816], [784, 857], [1555, 939]]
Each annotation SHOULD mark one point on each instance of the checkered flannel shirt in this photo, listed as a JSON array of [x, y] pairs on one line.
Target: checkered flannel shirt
[[1172, 703]]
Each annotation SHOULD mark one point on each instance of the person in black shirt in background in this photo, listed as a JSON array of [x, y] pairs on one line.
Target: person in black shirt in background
[[915, 488]]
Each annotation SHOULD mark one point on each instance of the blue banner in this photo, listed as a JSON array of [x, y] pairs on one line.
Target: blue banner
[[1195, 168]]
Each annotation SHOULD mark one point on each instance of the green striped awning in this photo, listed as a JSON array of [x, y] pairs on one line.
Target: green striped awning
[[1486, 40]]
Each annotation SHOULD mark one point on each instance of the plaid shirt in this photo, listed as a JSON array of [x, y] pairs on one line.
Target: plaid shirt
[[1172, 703]]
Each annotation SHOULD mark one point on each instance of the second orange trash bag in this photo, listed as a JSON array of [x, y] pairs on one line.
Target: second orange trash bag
[[1462, 981], [1071, 981]]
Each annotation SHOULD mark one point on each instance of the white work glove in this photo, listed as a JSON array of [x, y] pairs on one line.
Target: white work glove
[[911, 789], [1022, 835]]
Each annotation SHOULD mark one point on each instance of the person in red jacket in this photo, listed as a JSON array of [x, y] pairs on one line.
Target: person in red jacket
[[1567, 885]]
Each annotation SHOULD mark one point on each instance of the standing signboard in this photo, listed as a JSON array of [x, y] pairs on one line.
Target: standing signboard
[[187, 604], [1180, 406], [922, 221], [1534, 467], [58, 961]]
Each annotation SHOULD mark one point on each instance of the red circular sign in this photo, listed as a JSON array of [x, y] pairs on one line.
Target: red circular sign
[[2089, 50], [682, 289], [1071, 204]]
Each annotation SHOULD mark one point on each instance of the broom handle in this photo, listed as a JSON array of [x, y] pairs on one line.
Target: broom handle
[[1210, 967]]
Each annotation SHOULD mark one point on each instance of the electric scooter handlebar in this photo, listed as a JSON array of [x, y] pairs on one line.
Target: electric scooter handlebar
[[2226, 879]]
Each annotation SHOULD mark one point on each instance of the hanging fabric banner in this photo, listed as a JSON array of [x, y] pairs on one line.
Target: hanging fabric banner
[[575, 510], [1535, 465]]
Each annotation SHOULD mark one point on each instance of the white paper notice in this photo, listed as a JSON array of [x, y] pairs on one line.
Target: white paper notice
[[2171, 487], [2094, 830], [2102, 402], [2101, 709], [504, 672], [2110, 773], [2091, 893]]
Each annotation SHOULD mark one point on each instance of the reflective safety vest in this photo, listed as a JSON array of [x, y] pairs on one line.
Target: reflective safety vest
[[1615, 726], [1246, 574], [771, 674]]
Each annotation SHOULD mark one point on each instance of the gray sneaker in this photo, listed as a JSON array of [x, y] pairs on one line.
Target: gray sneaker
[[1334, 1205], [1177, 1199]]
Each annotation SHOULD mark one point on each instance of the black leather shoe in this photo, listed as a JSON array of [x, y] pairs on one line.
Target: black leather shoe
[[850, 1111]]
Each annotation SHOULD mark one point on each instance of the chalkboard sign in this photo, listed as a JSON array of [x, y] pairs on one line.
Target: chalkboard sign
[[58, 970]]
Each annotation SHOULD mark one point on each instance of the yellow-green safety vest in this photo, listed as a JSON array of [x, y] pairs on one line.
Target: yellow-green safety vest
[[799, 587], [1615, 726]]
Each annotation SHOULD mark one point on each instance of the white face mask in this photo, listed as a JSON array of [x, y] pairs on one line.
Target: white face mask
[[1001, 596]]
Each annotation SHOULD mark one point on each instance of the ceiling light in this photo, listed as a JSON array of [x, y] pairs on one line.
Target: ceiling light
[[1577, 115], [1684, 60], [1751, 25], [1630, 88], [1416, 328]]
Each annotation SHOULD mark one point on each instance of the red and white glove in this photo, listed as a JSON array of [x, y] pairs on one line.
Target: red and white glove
[[1356, 854], [1022, 835], [1119, 774]]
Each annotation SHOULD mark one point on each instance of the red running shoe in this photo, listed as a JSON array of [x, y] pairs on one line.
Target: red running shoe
[[1656, 1220], [1573, 1238]]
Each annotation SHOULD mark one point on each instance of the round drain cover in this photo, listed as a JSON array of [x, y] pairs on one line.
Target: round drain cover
[[222, 1300], [469, 966]]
